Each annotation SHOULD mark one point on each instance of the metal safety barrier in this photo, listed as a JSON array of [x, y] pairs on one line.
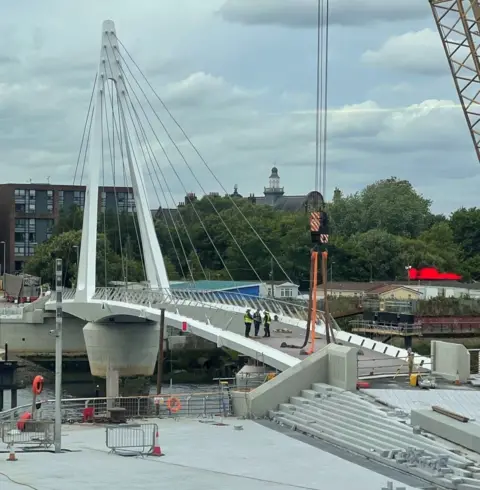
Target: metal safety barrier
[[370, 367], [131, 438], [212, 299], [36, 433], [191, 405]]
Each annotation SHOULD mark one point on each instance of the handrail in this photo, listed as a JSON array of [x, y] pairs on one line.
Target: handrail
[[211, 299], [129, 401]]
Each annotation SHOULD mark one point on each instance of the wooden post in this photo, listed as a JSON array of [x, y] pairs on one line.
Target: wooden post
[[325, 296], [160, 352], [313, 319]]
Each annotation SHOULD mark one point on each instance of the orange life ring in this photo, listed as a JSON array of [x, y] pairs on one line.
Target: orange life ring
[[23, 419], [37, 385], [173, 404]]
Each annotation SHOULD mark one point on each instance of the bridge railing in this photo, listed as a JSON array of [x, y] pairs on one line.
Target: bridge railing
[[151, 297], [75, 410], [182, 297]]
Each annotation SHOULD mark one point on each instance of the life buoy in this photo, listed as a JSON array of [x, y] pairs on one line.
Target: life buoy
[[363, 385], [37, 385], [173, 404], [23, 419]]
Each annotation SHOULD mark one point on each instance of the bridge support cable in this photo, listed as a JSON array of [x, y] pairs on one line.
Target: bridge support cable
[[195, 149], [151, 152], [203, 190], [111, 147], [127, 185], [82, 152], [115, 131], [194, 208], [144, 142], [458, 23], [139, 131], [121, 129], [87, 127], [118, 128], [154, 262], [179, 151], [201, 221]]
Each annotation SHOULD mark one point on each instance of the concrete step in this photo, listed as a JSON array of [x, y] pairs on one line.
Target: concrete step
[[296, 422], [362, 431], [326, 432], [368, 441], [380, 454], [378, 421]]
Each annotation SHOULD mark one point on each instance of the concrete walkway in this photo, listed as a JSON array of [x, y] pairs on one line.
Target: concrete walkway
[[198, 456]]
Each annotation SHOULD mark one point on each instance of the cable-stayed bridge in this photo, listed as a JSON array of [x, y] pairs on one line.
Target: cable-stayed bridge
[[120, 144]]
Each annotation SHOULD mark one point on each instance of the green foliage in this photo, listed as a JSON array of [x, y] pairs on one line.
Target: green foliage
[[374, 235]]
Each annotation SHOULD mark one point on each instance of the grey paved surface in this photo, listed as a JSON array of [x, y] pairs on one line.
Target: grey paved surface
[[389, 473], [457, 399], [198, 457]]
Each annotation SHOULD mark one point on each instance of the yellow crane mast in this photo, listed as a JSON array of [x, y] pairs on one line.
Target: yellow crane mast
[[458, 23]]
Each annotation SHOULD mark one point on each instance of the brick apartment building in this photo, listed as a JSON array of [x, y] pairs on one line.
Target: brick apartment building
[[28, 213]]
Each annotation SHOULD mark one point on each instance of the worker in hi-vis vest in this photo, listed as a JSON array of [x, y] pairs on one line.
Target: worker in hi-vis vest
[[266, 323], [248, 319]]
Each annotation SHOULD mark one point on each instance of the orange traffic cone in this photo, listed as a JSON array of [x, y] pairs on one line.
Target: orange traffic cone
[[12, 456], [457, 379], [156, 451]]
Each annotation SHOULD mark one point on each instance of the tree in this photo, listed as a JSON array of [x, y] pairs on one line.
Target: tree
[[465, 224], [42, 264], [374, 234], [392, 205]]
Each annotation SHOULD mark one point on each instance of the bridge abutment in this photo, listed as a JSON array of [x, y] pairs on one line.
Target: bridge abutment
[[127, 347]]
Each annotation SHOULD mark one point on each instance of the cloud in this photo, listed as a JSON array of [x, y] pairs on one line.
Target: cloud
[[240, 125], [418, 52], [303, 13]]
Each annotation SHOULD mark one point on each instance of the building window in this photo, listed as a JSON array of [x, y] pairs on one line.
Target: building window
[[19, 237], [19, 208], [50, 201], [19, 250], [79, 199], [286, 293]]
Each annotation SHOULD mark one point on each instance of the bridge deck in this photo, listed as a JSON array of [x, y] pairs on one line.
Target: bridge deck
[[369, 363]]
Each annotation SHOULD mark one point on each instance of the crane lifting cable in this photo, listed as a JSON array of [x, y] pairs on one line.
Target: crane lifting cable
[[318, 216]]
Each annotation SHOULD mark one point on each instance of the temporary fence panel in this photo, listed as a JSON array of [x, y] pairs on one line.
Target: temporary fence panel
[[193, 405], [39, 433], [131, 438]]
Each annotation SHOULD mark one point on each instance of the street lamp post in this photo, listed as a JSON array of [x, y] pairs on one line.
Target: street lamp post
[[407, 268], [4, 262], [77, 250]]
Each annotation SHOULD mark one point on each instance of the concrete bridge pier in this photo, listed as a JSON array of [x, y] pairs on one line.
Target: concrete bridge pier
[[121, 347]]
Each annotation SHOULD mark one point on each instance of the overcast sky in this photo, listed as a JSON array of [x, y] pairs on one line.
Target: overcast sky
[[240, 77]]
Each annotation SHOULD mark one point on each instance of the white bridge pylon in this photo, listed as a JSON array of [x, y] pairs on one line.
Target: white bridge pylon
[[110, 71]]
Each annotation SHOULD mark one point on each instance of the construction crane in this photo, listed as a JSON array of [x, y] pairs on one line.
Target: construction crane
[[458, 23]]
